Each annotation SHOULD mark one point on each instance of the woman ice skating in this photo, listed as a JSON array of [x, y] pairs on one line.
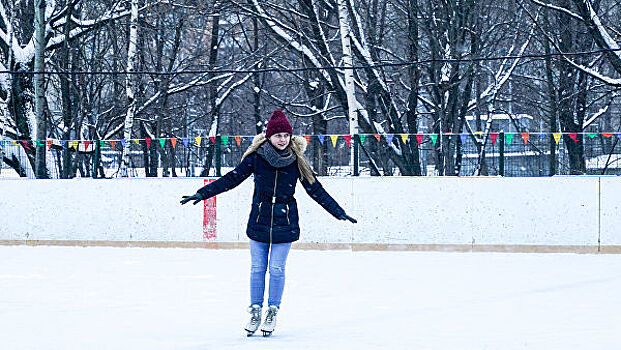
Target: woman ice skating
[[277, 160]]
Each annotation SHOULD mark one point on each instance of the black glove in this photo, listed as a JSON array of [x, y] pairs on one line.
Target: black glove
[[347, 217], [195, 197]]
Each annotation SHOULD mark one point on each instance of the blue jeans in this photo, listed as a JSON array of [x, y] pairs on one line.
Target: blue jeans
[[259, 253]]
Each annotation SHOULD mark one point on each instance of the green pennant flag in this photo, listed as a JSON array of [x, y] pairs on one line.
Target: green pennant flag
[[40, 143], [101, 143], [362, 138], [434, 138], [225, 140], [509, 138], [162, 142], [591, 135]]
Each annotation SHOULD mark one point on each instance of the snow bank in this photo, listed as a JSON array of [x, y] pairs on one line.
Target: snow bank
[[425, 212]]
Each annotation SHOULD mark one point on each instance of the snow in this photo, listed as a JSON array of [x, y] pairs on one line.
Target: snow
[[154, 298]]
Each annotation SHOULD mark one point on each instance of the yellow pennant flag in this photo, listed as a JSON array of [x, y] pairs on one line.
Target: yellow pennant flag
[[14, 143], [75, 144], [334, 138], [478, 133], [404, 137], [198, 141], [557, 137], [137, 141]]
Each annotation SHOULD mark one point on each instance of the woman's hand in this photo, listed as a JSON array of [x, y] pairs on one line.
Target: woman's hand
[[195, 197], [347, 217]]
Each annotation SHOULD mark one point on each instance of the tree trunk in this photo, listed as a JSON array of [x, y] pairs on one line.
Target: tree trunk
[[39, 82]]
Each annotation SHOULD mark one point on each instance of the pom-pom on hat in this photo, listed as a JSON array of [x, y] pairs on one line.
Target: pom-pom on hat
[[278, 123]]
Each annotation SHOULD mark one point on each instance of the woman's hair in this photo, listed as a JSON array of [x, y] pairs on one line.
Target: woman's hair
[[298, 146]]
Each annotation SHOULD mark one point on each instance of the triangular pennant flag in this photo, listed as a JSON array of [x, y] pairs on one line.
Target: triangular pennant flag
[[557, 137], [463, 138], [212, 139], [542, 135], [378, 137], [509, 138], [137, 141], [49, 144], [198, 140], [39, 143], [493, 136], [173, 142], [250, 138], [86, 144], [404, 138], [478, 133], [389, 138], [607, 134], [322, 138], [238, 140], [63, 143], [26, 144], [112, 144], [162, 142], [101, 143], [186, 141], [362, 138], [525, 137], [225, 140], [619, 136], [347, 140], [591, 135], [434, 138], [123, 142], [15, 143], [419, 138], [148, 141], [574, 136], [334, 138], [75, 144]]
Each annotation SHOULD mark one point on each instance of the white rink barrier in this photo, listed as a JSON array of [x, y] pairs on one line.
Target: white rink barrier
[[578, 214]]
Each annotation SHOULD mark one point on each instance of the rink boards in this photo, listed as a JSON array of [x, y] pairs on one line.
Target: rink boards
[[556, 214]]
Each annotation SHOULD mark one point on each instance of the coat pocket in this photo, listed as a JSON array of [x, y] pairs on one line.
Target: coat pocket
[[259, 212]]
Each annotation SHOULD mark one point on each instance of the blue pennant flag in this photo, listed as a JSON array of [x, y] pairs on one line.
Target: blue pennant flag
[[250, 138], [186, 141], [322, 138], [123, 142], [463, 138], [543, 135], [619, 136], [389, 138], [63, 143]]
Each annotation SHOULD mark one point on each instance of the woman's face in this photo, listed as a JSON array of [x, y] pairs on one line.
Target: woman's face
[[280, 140]]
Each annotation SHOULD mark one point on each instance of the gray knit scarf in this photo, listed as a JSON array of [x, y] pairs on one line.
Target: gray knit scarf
[[276, 158]]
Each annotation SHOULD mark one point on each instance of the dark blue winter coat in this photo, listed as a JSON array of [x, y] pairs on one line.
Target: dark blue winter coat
[[274, 213]]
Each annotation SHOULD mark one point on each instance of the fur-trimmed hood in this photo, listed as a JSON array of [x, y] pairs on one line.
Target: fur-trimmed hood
[[298, 145]]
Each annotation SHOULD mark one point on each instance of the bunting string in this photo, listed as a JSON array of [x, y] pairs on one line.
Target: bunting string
[[335, 139]]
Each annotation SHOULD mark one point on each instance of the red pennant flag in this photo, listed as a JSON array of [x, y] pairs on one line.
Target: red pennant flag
[[419, 138], [86, 143], [112, 143], [607, 134], [525, 136], [493, 136], [308, 139], [173, 141], [148, 141], [213, 139], [347, 140], [378, 137], [49, 144], [574, 136], [26, 144], [238, 140]]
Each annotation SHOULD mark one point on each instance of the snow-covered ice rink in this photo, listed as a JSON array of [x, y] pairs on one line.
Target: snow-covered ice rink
[[149, 298]]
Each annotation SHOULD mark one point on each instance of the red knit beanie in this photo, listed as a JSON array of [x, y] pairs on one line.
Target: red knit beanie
[[278, 123]]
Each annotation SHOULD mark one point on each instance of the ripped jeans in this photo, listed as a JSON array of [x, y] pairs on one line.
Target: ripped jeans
[[259, 253]]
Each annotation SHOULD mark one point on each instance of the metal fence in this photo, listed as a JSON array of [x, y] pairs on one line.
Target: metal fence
[[506, 154]]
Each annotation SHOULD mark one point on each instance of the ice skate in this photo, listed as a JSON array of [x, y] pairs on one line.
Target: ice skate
[[270, 321], [255, 319]]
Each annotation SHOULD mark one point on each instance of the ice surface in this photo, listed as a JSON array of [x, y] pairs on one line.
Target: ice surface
[[144, 298]]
